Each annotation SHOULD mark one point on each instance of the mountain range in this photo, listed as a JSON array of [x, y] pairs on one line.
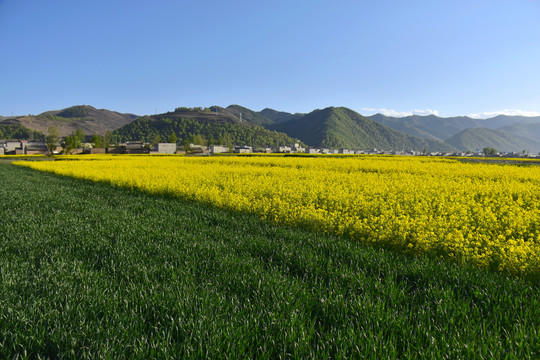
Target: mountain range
[[332, 127], [504, 133]]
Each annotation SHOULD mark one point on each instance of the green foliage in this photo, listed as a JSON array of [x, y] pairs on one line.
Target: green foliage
[[107, 139], [14, 131], [79, 134], [156, 139], [72, 142], [59, 119], [90, 271], [52, 139], [192, 109], [199, 140], [74, 112], [97, 141], [226, 140], [144, 129], [173, 138], [489, 151]]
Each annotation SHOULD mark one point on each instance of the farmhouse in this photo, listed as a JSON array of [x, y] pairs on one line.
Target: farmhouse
[[243, 149], [166, 148], [284, 149], [34, 148], [218, 149]]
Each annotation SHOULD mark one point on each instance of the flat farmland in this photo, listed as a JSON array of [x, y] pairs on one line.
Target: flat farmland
[[119, 262], [484, 214]]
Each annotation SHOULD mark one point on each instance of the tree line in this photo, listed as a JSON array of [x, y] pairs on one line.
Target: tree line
[[75, 140]]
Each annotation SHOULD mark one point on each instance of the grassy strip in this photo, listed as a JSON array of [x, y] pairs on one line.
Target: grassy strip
[[88, 270]]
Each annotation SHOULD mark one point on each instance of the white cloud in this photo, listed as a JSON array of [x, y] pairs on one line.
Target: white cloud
[[485, 115], [395, 113], [426, 112]]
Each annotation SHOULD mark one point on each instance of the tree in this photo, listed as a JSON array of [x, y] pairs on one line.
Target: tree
[[489, 151], [156, 139], [52, 139], [97, 141], [173, 138], [107, 139], [71, 142], [227, 140], [80, 134], [187, 147], [199, 140]]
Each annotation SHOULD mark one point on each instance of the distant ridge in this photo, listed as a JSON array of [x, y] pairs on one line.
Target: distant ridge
[[478, 138], [439, 128], [249, 115], [279, 116], [528, 131], [344, 128]]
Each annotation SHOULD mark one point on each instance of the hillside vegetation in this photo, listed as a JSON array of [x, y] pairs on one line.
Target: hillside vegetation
[[344, 128], [216, 130], [16, 131], [279, 116], [249, 115]]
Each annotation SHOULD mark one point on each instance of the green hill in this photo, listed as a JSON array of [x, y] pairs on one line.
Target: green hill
[[249, 115], [529, 131], [344, 128], [279, 116], [213, 123], [477, 138]]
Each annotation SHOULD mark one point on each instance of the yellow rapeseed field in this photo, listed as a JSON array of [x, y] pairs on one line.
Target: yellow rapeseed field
[[486, 214]]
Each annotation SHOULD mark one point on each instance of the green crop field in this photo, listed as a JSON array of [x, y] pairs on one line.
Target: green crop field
[[88, 270]]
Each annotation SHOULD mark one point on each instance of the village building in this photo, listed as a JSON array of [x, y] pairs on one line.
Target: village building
[[243, 149], [166, 148], [35, 148], [297, 149], [284, 149], [218, 149]]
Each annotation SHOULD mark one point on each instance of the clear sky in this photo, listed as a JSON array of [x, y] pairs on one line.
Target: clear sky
[[450, 58]]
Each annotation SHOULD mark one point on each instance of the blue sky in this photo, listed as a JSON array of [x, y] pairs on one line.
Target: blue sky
[[396, 57]]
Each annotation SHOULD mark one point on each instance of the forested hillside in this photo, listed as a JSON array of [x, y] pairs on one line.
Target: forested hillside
[[15, 131], [344, 128], [149, 128]]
